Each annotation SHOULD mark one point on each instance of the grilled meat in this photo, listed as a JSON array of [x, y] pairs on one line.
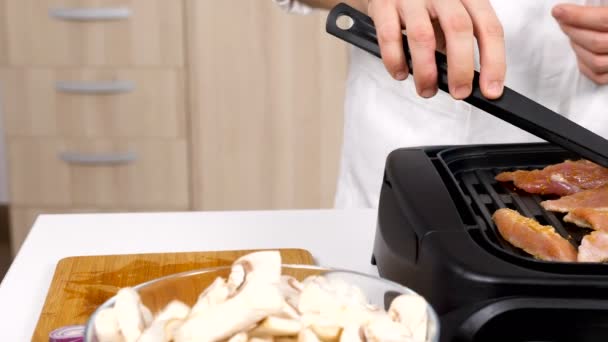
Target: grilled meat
[[561, 179], [594, 247], [594, 198], [538, 240], [594, 218]]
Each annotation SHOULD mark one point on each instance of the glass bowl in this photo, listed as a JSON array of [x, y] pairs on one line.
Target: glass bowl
[[187, 286]]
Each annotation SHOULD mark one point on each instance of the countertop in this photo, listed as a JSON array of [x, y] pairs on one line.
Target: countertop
[[54, 237]]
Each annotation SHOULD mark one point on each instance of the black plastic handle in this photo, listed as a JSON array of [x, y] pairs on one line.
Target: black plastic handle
[[362, 34], [511, 107]]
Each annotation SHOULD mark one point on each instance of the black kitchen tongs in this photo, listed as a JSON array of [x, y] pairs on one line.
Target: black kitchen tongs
[[511, 107]]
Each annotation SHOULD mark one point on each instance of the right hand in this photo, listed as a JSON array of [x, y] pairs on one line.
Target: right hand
[[438, 24]]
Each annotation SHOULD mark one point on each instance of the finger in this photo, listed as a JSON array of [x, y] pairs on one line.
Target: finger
[[388, 28], [594, 41], [458, 29], [600, 79], [490, 37], [587, 17], [421, 40], [596, 63]]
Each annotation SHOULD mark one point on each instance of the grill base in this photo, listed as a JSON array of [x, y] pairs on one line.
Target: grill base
[[435, 233]]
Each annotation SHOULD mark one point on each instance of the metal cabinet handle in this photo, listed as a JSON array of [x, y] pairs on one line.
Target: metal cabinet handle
[[90, 14], [98, 159], [110, 87]]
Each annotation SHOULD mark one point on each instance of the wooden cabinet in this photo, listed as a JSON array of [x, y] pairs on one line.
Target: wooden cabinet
[[156, 105], [108, 102], [266, 100], [99, 173], [93, 32]]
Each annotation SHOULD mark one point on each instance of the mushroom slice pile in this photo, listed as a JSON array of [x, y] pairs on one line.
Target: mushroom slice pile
[[258, 304], [164, 326], [123, 322]]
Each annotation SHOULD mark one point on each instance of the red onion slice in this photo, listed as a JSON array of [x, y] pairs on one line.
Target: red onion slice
[[70, 333]]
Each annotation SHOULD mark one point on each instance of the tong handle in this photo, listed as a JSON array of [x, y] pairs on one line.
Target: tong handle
[[362, 34], [511, 107]]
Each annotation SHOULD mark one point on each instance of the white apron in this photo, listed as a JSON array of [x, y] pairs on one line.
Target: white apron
[[382, 114]]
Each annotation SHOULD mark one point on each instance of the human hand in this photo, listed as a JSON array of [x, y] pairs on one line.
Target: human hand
[[429, 25], [587, 28]]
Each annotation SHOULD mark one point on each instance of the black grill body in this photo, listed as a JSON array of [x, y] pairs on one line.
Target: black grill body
[[435, 235]]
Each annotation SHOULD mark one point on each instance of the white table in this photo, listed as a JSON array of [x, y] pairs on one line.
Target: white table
[[335, 238]]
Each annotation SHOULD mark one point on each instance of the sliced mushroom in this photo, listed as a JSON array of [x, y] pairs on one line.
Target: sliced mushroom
[[351, 333], [146, 314], [383, 329], [171, 328], [411, 311], [331, 296], [163, 327], [259, 266], [254, 302], [240, 337], [316, 300], [174, 310], [215, 294], [291, 289], [275, 326], [320, 305], [289, 311], [128, 314], [261, 339], [307, 335], [286, 339], [154, 333], [237, 277], [106, 326], [327, 333]]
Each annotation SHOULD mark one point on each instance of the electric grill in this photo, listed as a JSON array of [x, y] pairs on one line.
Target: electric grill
[[435, 233]]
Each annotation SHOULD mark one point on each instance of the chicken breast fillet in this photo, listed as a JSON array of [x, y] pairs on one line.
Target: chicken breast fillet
[[594, 218], [594, 247], [594, 198], [561, 179], [540, 241]]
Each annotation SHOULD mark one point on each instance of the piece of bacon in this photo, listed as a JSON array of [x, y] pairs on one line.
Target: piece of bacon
[[561, 179], [594, 218], [593, 198], [594, 247], [538, 240]]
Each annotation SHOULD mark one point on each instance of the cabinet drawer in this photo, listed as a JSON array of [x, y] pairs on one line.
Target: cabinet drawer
[[93, 32], [74, 102], [98, 173]]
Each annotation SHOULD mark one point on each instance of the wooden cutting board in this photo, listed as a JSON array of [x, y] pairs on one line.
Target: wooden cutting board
[[81, 284]]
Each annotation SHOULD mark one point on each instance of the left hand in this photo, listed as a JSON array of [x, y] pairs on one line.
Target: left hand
[[587, 28]]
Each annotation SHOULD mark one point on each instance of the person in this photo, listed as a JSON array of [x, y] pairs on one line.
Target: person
[[554, 52]]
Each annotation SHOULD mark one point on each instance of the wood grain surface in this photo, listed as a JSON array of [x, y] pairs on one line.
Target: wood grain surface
[[81, 284]]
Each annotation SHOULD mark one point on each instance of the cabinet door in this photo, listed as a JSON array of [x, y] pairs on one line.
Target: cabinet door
[[93, 32], [143, 173], [266, 91], [79, 102], [3, 35]]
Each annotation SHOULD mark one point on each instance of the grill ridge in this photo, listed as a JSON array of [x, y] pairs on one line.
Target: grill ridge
[[480, 187]]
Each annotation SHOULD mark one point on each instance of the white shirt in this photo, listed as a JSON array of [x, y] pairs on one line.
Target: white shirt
[[382, 114]]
